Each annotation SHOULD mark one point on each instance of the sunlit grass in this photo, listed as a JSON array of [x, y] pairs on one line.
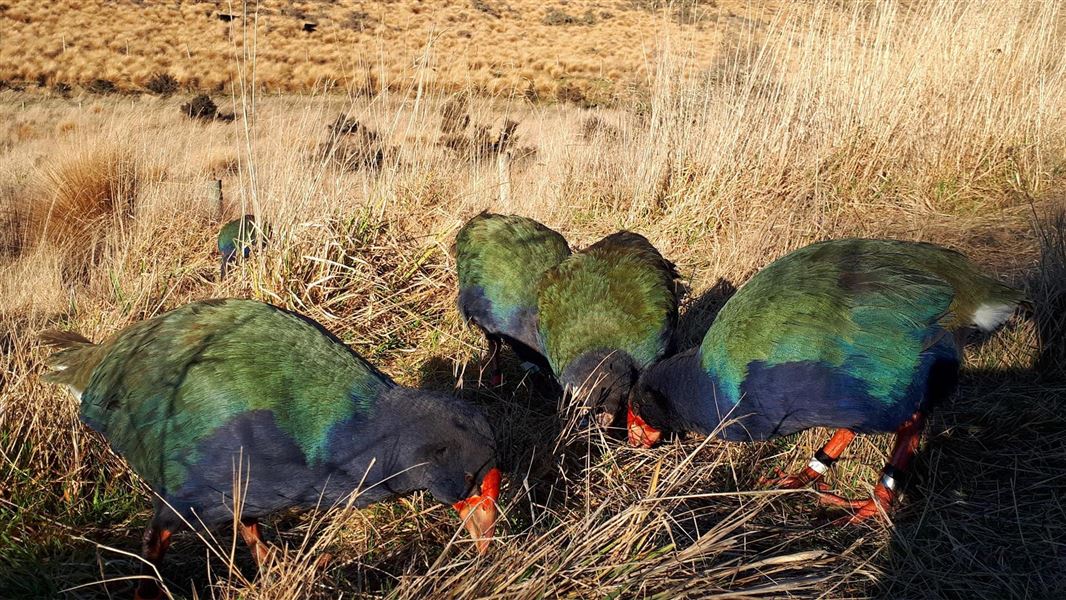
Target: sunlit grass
[[942, 122]]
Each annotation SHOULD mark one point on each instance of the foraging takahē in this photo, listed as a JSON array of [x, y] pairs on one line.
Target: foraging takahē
[[500, 259], [191, 395], [604, 314], [235, 240], [859, 335]]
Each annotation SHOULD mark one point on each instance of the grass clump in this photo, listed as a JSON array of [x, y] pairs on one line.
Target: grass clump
[[162, 84], [78, 198], [595, 127], [555, 16], [1048, 291], [200, 107], [101, 86], [455, 115], [837, 119], [354, 146], [62, 89], [476, 141], [203, 108], [485, 7], [358, 20]]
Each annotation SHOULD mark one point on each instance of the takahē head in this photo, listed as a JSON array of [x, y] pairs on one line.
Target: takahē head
[[610, 376], [647, 417], [236, 239], [444, 445]]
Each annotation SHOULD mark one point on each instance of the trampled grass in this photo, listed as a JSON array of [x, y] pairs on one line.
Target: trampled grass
[[935, 121]]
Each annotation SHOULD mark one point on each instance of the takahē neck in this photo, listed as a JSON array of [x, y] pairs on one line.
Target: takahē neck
[[693, 400], [522, 324], [368, 451]]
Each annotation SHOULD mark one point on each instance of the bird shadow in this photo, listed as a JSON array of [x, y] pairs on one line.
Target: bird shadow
[[983, 515], [699, 312], [983, 509]]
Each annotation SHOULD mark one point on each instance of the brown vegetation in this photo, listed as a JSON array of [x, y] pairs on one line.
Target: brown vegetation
[[936, 121], [79, 198], [500, 48]]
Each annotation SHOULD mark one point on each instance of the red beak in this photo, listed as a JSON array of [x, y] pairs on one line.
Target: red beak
[[479, 512], [640, 433]]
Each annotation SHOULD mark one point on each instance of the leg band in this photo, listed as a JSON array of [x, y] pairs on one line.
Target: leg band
[[821, 463], [818, 466], [889, 478]]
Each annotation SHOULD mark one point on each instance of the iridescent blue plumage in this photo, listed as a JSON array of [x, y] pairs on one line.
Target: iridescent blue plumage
[[235, 240]]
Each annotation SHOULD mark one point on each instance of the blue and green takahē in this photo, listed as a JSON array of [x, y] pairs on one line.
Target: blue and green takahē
[[191, 395], [604, 314], [500, 259], [859, 335], [235, 240]]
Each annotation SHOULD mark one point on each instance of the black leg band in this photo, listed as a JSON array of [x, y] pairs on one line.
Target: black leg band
[[824, 458], [890, 477]]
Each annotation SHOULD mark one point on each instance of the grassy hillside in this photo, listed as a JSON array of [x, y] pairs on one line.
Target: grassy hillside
[[574, 50], [935, 121]]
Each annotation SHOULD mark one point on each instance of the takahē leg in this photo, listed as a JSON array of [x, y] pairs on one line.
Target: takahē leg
[[492, 362], [907, 438], [253, 537], [821, 463], [153, 548]]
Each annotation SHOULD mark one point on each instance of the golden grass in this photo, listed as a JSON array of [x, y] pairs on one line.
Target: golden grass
[[936, 121], [511, 48], [76, 200]]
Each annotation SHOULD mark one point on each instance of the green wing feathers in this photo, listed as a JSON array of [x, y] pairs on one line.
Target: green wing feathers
[[161, 385], [868, 306], [619, 293], [505, 255], [236, 234]]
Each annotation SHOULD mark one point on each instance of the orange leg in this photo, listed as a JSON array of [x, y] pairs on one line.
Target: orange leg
[[253, 537], [153, 548], [821, 463], [907, 438]]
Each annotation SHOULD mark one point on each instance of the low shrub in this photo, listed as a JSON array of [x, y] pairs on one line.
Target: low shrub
[[162, 84]]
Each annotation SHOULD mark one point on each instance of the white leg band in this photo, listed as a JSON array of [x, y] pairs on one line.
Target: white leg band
[[818, 466], [889, 482]]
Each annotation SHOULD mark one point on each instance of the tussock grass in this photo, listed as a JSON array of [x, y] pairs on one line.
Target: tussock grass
[[935, 121], [508, 49], [76, 200]]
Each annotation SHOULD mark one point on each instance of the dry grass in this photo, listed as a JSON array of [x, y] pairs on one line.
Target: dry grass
[[522, 48], [78, 199], [935, 121]]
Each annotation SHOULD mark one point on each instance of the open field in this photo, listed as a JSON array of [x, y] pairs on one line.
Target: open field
[[585, 51], [933, 121]]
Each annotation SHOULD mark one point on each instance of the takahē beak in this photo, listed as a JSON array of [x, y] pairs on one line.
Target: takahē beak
[[640, 433], [479, 512]]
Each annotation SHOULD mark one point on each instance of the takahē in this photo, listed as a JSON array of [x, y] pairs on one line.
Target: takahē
[[235, 240], [859, 335], [603, 315], [500, 259], [192, 395]]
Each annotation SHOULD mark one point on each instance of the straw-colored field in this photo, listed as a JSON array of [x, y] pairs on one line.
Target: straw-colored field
[[589, 51], [936, 121]]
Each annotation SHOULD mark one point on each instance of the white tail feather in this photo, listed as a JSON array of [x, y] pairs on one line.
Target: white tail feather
[[990, 316]]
